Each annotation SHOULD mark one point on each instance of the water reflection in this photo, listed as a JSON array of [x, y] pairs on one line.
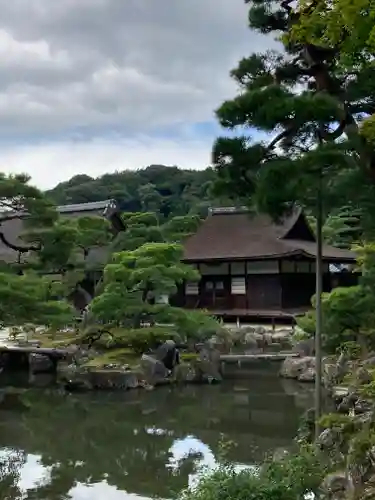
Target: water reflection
[[141, 445]]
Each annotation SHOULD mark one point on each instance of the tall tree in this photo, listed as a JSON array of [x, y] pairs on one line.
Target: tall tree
[[312, 105]]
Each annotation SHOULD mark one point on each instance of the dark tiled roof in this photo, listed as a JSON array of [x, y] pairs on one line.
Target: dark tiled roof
[[13, 229], [238, 235]]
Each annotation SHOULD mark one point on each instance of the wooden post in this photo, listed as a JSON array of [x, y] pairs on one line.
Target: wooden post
[[319, 316]]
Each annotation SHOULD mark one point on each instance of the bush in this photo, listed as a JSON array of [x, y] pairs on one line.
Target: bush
[[290, 478], [348, 317], [141, 340]]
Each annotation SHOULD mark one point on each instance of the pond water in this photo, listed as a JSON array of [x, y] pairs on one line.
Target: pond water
[[139, 444]]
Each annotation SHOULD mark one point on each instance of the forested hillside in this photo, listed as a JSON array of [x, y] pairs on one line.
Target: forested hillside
[[169, 191]]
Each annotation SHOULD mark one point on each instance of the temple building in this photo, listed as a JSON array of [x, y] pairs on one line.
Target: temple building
[[252, 267]]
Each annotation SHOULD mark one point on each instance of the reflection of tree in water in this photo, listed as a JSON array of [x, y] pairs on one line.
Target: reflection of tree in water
[[119, 438], [10, 463]]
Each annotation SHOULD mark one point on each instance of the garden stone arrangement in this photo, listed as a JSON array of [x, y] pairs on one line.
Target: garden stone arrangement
[[81, 366]]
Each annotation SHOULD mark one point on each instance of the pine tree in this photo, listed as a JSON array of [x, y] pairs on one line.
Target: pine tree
[[313, 105]]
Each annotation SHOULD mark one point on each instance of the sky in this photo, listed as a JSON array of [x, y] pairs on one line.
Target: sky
[[95, 86]]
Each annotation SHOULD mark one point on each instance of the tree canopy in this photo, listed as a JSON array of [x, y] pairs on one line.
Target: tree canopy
[[27, 297], [313, 106], [136, 284], [167, 190]]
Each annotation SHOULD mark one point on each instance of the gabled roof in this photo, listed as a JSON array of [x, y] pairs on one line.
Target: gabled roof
[[12, 229], [236, 234]]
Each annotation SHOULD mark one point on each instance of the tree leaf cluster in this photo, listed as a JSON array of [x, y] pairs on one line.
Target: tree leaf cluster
[[166, 190], [312, 107]]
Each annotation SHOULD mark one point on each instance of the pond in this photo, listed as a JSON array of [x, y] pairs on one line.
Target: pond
[[140, 444]]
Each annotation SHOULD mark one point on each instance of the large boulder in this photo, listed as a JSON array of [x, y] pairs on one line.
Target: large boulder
[[302, 369], [185, 372], [251, 341], [336, 486], [283, 337], [305, 347], [221, 342], [208, 365], [153, 370], [77, 378]]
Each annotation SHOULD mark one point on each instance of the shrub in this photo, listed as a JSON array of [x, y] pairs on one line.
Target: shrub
[[290, 478], [348, 317], [141, 340]]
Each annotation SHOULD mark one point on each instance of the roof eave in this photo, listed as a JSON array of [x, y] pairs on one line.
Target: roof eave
[[343, 260]]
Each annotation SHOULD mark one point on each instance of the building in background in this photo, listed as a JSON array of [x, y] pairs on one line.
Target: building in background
[[252, 267]]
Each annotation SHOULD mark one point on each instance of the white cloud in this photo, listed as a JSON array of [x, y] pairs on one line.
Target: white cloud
[[134, 66], [138, 64], [50, 163]]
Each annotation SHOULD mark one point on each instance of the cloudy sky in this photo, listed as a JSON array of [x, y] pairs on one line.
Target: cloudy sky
[[93, 86]]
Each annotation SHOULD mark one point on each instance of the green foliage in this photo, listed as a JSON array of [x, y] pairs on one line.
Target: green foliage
[[307, 322], [327, 23], [360, 447], [290, 478], [351, 349], [167, 191], [296, 93], [141, 340], [67, 243], [17, 195], [145, 227], [342, 227], [134, 283], [368, 390], [338, 421], [348, 315], [31, 299], [25, 297]]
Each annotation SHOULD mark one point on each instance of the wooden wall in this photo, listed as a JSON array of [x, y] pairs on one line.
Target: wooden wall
[[262, 285]]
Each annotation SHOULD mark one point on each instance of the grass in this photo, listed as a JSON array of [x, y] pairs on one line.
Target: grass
[[114, 356], [55, 339]]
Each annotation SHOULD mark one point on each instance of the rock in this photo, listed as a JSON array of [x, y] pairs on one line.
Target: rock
[[208, 365], [368, 494], [363, 376], [238, 335], [342, 367], [362, 406], [81, 379], [260, 330], [305, 347], [282, 337], [369, 362], [184, 373], [308, 375], [40, 363], [296, 368], [113, 379], [275, 347], [329, 439], [222, 343], [336, 486], [250, 342], [153, 369], [347, 403], [248, 329], [267, 338], [329, 373]]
